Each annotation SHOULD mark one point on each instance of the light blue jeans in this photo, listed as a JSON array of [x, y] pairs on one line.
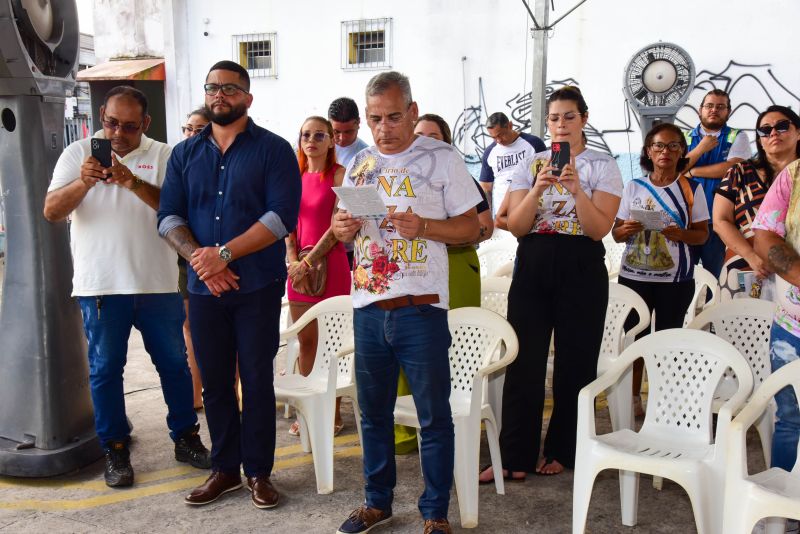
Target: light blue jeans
[[784, 348]]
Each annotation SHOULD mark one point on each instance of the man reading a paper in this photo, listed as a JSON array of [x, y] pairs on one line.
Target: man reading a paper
[[401, 295]]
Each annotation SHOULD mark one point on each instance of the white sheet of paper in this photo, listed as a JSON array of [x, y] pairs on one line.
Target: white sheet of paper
[[651, 220], [362, 202]]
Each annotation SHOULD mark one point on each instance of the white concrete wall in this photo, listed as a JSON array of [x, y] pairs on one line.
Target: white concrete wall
[[591, 46], [128, 29]]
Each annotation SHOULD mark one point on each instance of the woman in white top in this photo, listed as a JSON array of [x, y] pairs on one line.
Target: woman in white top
[[657, 262], [560, 284]]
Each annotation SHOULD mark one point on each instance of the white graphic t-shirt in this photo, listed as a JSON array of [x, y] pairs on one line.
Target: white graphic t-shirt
[[499, 162], [649, 256], [429, 179], [557, 213]]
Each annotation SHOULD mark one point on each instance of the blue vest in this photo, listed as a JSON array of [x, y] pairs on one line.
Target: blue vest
[[718, 155]]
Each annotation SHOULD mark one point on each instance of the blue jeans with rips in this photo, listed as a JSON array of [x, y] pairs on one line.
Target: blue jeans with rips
[[416, 339], [784, 348], [107, 322]]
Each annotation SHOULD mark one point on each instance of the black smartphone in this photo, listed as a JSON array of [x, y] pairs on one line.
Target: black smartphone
[[559, 156], [101, 151]]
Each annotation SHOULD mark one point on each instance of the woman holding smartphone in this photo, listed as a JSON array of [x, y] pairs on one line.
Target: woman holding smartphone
[[657, 262], [560, 284]]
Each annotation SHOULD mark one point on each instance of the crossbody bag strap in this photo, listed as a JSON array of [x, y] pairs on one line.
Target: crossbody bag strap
[[688, 195]]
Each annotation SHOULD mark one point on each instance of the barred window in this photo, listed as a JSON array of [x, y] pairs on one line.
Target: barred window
[[367, 44], [257, 53]]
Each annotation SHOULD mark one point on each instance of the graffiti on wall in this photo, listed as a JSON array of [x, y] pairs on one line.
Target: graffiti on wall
[[752, 87]]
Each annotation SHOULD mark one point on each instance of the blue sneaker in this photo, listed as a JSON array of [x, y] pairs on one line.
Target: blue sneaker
[[364, 519]]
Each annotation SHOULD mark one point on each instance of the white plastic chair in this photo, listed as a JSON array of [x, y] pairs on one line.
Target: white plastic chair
[[292, 348], [774, 493], [477, 334], [504, 271], [745, 324], [494, 254], [314, 396], [621, 301], [703, 280], [684, 367], [494, 297], [614, 253]]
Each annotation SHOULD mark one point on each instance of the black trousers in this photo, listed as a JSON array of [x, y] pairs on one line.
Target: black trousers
[[560, 284], [243, 326], [669, 300]]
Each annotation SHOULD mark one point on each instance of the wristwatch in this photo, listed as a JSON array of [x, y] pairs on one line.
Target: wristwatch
[[225, 254]]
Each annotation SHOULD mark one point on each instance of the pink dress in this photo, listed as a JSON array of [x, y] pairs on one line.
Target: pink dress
[[316, 207]]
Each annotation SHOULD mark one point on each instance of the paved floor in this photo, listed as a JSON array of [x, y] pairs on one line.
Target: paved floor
[[80, 502]]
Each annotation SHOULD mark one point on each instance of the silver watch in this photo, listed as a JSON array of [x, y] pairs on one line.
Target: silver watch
[[225, 254]]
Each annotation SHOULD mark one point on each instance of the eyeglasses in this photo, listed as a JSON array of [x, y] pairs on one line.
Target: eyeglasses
[[316, 136], [127, 127], [569, 116], [780, 127], [393, 119], [228, 89], [672, 147], [718, 107], [189, 129]]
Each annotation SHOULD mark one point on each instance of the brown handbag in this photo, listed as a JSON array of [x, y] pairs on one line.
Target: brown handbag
[[313, 283]]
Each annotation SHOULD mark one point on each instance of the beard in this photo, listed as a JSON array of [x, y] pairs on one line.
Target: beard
[[224, 118], [712, 124]]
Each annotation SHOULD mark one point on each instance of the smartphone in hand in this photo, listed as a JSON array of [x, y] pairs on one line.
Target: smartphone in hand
[[559, 156], [101, 151]]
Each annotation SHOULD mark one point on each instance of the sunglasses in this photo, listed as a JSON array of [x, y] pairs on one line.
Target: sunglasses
[[127, 127], [228, 89], [316, 136], [780, 127]]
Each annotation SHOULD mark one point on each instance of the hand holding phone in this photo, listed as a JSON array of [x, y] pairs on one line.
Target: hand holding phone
[[101, 151], [559, 156]]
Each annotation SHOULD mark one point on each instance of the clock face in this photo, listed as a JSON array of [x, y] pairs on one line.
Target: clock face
[[659, 75]]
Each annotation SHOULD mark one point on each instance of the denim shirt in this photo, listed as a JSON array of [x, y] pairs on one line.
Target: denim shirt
[[220, 196]]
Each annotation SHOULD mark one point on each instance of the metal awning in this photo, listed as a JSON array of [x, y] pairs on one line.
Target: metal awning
[[125, 69]]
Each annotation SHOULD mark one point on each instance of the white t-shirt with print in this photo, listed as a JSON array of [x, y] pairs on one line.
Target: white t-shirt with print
[[429, 179], [556, 213], [503, 160], [116, 249], [649, 256]]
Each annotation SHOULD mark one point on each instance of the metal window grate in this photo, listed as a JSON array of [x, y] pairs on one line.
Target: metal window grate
[[257, 53], [367, 44]]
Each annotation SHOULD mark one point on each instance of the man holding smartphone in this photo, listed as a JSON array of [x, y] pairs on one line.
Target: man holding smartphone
[[124, 275]]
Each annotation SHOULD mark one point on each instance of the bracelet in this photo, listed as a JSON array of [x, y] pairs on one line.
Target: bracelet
[[137, 182], [424, 228], [305, 259]]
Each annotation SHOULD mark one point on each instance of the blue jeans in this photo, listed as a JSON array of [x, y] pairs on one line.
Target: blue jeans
[[107, 321], [417, 339], [711, 254], [243, 328], [784, 348]]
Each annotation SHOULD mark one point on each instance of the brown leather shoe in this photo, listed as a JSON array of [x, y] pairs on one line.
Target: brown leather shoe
[[264, 493], [437, 526], [216, 486]]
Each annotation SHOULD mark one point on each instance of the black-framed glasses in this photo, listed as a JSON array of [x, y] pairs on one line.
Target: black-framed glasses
[[228, 89], [569, 116], [781, 126], [316, 136], [127, 127], [672, 147], [718, 107]]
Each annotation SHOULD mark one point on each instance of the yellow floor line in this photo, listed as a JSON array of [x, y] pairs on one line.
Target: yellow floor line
[[123, 495]]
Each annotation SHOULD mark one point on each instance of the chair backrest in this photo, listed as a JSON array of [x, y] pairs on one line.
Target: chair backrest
[[504, 271], [683, 369], [494, 294], [614, 252], [476, 334], [745, 324], [335, 330], [621, 301], [703, 280], [494, 255]]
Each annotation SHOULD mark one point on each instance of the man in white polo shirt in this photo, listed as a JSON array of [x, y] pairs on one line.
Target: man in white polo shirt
[[125, 276]]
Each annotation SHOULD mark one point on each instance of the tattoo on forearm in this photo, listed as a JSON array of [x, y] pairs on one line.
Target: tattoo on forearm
[[782, 257], [182, 240], [323, 247]]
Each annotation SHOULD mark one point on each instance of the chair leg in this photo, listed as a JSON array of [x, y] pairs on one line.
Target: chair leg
[[620, 406], [496, 382], [658, 483], [321, 438], [305, 443], [629, 497], [357, 417], [492, 437], [467, 454], [581, 496], [775, 525]]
